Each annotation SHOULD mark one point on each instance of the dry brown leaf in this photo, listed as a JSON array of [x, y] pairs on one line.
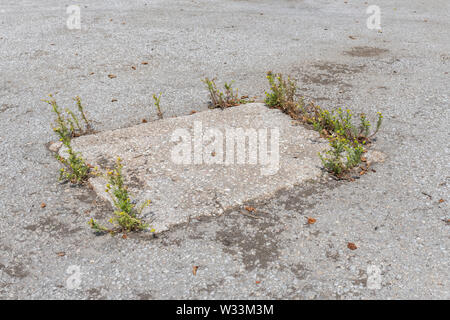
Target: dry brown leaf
[[61, 254], [144, 63], [124, 236], [113, 100], [144, 121], [193, 111], [194, 270], [112, 76], [441, 200], [250, 209], [352, 246], [43, 205], [311, 220]]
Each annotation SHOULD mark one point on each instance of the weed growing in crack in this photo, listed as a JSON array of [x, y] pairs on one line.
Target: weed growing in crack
[[342, 156], [67, 126], [83, 115], [282, 93], [125, 217], [157, 101], [346, 140], [228, 98]]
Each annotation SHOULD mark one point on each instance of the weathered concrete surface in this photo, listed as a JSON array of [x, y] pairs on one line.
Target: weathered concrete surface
[[218, 180]]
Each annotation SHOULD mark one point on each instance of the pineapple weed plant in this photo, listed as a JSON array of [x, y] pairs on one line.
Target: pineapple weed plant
[[66, 127], [224, 99], [347, 140], [125, 217], [76, 170]]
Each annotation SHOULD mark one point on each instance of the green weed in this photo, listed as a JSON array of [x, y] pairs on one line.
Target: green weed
[[157, 101], [228, 98], [67, 126], [346, 139], [125, 217], [343, 155], [282, 94]]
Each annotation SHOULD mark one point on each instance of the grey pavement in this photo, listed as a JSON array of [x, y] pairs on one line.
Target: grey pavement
[[394, 215]]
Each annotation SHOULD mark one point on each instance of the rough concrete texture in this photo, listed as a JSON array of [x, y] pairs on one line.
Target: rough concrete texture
[[394, 215], [209, 180]]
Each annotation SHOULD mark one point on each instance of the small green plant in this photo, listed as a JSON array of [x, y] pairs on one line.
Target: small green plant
[[282, 94], [343, 155], [157, 101], [226, 99], [83, 115], [346, 139], [67, 126], [125, 217]]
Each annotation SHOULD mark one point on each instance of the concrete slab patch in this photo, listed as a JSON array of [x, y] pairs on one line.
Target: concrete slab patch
[[206, 163]]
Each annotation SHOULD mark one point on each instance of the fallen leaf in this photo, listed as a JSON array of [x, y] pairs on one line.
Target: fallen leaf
[[43, 205], [61, 254], [362, 172], [193, 111], [352, 37], [194, 270], [124, 236], [250, 209], [311, 220], [441, 200], [133, 67], [112, 76], [363, 159], [144, 121], [213, 154], [352, 246], [144, 62], [91, 73], [114, 100]]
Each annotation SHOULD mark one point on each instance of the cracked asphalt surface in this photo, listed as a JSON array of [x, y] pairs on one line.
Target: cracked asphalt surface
[[397, 216]]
